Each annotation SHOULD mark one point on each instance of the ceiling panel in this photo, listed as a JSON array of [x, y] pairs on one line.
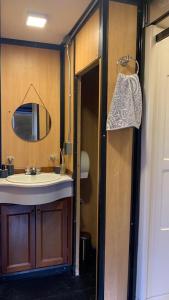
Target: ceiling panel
[[61, 14]]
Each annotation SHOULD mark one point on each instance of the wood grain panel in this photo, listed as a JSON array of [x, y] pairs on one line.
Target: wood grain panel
[[89, 143], [69, 158], [122, 41], [18, 238], [21, 66], [87, 43]]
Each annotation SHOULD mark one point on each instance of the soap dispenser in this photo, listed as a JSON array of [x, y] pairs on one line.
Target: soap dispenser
[[62, 168]]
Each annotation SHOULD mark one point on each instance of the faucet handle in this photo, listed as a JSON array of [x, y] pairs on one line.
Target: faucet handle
[[53, 157], [27, 171], [33, 170], [38, 170]]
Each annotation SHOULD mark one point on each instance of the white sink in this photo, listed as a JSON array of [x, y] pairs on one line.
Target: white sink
[[35, 179], [35, 189]]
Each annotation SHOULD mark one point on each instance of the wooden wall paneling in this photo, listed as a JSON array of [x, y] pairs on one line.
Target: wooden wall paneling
[[21, 66], [89, 143], [18, 238], [69, 158], [87, 43], [122, 41]]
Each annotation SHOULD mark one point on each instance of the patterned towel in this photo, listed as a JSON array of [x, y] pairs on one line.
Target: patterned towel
[[126, 105]]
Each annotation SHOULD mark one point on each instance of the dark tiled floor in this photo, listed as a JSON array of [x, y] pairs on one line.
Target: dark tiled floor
[[58, 287]]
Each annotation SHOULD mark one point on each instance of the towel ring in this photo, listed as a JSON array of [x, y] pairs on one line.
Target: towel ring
[[124, 60]]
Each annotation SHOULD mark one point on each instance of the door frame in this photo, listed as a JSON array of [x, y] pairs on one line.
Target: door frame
[[145, 188], [77, 162], [103, 77]]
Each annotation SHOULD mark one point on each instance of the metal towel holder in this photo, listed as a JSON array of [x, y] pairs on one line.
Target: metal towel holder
[[124, 60]]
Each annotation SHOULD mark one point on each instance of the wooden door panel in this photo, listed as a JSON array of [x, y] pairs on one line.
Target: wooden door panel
[[51, 234], [18, 238]]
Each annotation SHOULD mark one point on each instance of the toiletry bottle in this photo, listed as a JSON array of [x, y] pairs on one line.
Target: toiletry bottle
[[62, 168], [4, 172]]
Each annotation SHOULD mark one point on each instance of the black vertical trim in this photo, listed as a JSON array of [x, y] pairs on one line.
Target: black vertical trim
[[135, 198], [146, 12], [0, 108], [104, 11], [75, 161], [62, 97]]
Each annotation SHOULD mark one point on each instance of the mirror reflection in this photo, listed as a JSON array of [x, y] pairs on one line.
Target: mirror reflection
[[31, 122]]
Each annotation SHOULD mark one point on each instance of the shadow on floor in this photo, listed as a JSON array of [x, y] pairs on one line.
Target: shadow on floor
[[58, 287]]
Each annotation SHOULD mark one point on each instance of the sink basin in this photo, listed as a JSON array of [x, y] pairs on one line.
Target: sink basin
[[35, 189], [34, 179]]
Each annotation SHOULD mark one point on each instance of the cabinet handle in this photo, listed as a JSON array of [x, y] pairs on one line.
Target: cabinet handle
[[33, 210], [38, 210]]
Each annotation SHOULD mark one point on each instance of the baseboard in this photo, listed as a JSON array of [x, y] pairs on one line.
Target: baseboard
[[36, 273]]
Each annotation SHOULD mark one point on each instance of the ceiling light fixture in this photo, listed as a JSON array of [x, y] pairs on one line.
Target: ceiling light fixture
[[36, 21]]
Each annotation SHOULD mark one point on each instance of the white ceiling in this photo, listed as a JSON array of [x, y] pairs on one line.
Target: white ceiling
[[61, 14]]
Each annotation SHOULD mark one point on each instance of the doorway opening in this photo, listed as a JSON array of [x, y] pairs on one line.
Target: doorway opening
[[89, 170]]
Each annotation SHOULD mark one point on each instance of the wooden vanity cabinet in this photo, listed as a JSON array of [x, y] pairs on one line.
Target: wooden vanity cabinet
[[35, 236]]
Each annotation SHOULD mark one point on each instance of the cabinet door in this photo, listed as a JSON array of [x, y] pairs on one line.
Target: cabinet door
[[52, 234], [18, 238]]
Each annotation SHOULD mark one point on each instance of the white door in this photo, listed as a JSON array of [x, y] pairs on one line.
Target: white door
[[158, 264], [155, 272]]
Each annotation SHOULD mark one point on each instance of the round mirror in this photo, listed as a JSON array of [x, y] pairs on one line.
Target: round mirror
[[31, 122]]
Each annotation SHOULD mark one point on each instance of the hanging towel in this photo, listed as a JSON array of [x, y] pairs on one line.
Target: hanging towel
[[126, 105]]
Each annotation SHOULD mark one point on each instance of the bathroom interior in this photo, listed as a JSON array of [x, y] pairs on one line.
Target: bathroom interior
[[67, 182]]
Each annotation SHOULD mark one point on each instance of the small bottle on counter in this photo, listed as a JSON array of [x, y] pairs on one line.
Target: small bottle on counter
[[56, 169], [4, 171], [10, 169]]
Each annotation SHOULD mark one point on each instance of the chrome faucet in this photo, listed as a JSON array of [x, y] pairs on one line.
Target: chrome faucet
[[32, 171]]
